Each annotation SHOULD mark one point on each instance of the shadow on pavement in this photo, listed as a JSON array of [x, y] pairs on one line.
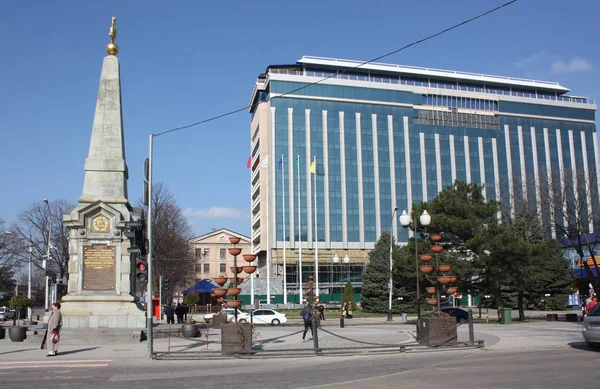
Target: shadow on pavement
[[20, 351], [582, 346], [77, 351]]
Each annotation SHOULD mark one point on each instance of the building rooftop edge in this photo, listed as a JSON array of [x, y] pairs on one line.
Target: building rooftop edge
[[422, 71]]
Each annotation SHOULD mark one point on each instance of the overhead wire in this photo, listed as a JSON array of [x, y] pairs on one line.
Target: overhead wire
[[479, 16]]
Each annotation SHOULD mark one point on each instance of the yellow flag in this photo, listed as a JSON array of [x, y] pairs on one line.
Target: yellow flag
[[313, 167]]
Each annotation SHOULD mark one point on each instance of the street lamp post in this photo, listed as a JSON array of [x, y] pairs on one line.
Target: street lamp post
[[389, 318], [48, 256], [29, 311], [336, 260], [425, 220], [347, 263]]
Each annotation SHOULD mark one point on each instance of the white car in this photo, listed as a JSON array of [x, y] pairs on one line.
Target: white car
[[6, 313], [243, 317], [268, 316]]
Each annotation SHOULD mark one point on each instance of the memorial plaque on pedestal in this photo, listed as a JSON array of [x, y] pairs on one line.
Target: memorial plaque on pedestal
[[99, 267]]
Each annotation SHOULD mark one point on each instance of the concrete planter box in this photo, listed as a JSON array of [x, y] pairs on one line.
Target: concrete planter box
[[437, 331], [236, 338]]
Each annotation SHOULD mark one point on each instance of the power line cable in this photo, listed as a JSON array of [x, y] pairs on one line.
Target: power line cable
[[344, 71]]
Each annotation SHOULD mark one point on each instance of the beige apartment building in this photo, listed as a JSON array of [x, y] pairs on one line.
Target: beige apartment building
[[211, 255]]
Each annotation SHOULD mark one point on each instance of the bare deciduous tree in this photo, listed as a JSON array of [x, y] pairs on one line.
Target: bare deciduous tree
[[32, 228], [573, 209], [171, 257], [8, 259]]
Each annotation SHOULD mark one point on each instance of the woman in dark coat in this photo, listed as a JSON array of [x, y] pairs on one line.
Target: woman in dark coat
[[50, 341]]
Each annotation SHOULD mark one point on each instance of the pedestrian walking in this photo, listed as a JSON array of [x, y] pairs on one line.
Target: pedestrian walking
[[307, 318], [179, 312], [349, 310], [170, 314], [52, 335], [321, 309], [592, 304]]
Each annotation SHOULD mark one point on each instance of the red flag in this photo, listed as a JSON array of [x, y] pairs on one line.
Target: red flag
[[249, 164]]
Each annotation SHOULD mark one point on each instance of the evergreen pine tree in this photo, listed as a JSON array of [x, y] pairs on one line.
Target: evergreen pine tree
[[349, 295], [375, 278]]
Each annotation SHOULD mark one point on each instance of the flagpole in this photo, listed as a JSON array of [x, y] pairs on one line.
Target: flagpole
[[299, 237], [284, 242], [253, 274], [314, 172]]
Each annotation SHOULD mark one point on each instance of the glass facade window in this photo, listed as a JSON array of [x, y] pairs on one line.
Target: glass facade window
[[222, 268], [359, 137], [460, 102]]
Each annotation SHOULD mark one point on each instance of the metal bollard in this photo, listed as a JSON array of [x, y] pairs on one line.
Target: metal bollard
[[471, 332]]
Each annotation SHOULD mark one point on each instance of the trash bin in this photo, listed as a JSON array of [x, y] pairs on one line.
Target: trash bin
[[403, 315], [505, 316]]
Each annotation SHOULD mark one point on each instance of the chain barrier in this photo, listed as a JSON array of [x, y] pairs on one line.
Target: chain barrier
[[363, 341], [277, 337], [254, 341]]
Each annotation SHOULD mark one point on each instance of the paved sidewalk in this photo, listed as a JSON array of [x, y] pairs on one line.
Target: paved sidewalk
[[531, 334]]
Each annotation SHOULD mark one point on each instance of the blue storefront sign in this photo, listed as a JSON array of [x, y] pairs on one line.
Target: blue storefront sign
[[574, 299]]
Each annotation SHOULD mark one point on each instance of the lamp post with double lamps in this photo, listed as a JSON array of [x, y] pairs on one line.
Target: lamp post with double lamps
[[424, 220], [346, 261]]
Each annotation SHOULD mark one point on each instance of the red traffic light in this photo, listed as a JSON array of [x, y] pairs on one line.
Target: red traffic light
[[141, 268]]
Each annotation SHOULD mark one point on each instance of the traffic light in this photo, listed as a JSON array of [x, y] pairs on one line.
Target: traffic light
[[141, 269], [136, 233], [166, 283]]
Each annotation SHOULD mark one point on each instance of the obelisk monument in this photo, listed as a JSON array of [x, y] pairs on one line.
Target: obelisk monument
[[100, 286]]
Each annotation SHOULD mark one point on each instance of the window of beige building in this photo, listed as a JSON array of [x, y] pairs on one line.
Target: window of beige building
[[223, 253], [198, 253], [198, 268], [206, 252], [207, 268], [223, 268]]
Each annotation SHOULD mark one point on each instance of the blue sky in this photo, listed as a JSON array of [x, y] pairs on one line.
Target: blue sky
[[185, 61]]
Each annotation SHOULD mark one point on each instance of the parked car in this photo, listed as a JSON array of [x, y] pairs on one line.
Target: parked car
[[268, 316], [591, 327], [243, 317], [6, 313], [461, 315]]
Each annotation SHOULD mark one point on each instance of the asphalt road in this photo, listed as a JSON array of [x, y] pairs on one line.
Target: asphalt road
[[569, 367], [526, 355]]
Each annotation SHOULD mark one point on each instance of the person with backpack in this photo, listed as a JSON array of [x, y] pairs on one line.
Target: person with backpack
[[306, 314]]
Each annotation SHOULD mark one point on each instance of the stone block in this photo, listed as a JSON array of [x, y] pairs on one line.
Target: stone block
[[112, 322], [84, 322]]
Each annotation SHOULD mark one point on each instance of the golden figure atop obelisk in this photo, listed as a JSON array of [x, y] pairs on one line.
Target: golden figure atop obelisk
[[112, 48]]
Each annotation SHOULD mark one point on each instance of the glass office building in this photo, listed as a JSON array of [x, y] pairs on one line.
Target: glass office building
[[381, 136]]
